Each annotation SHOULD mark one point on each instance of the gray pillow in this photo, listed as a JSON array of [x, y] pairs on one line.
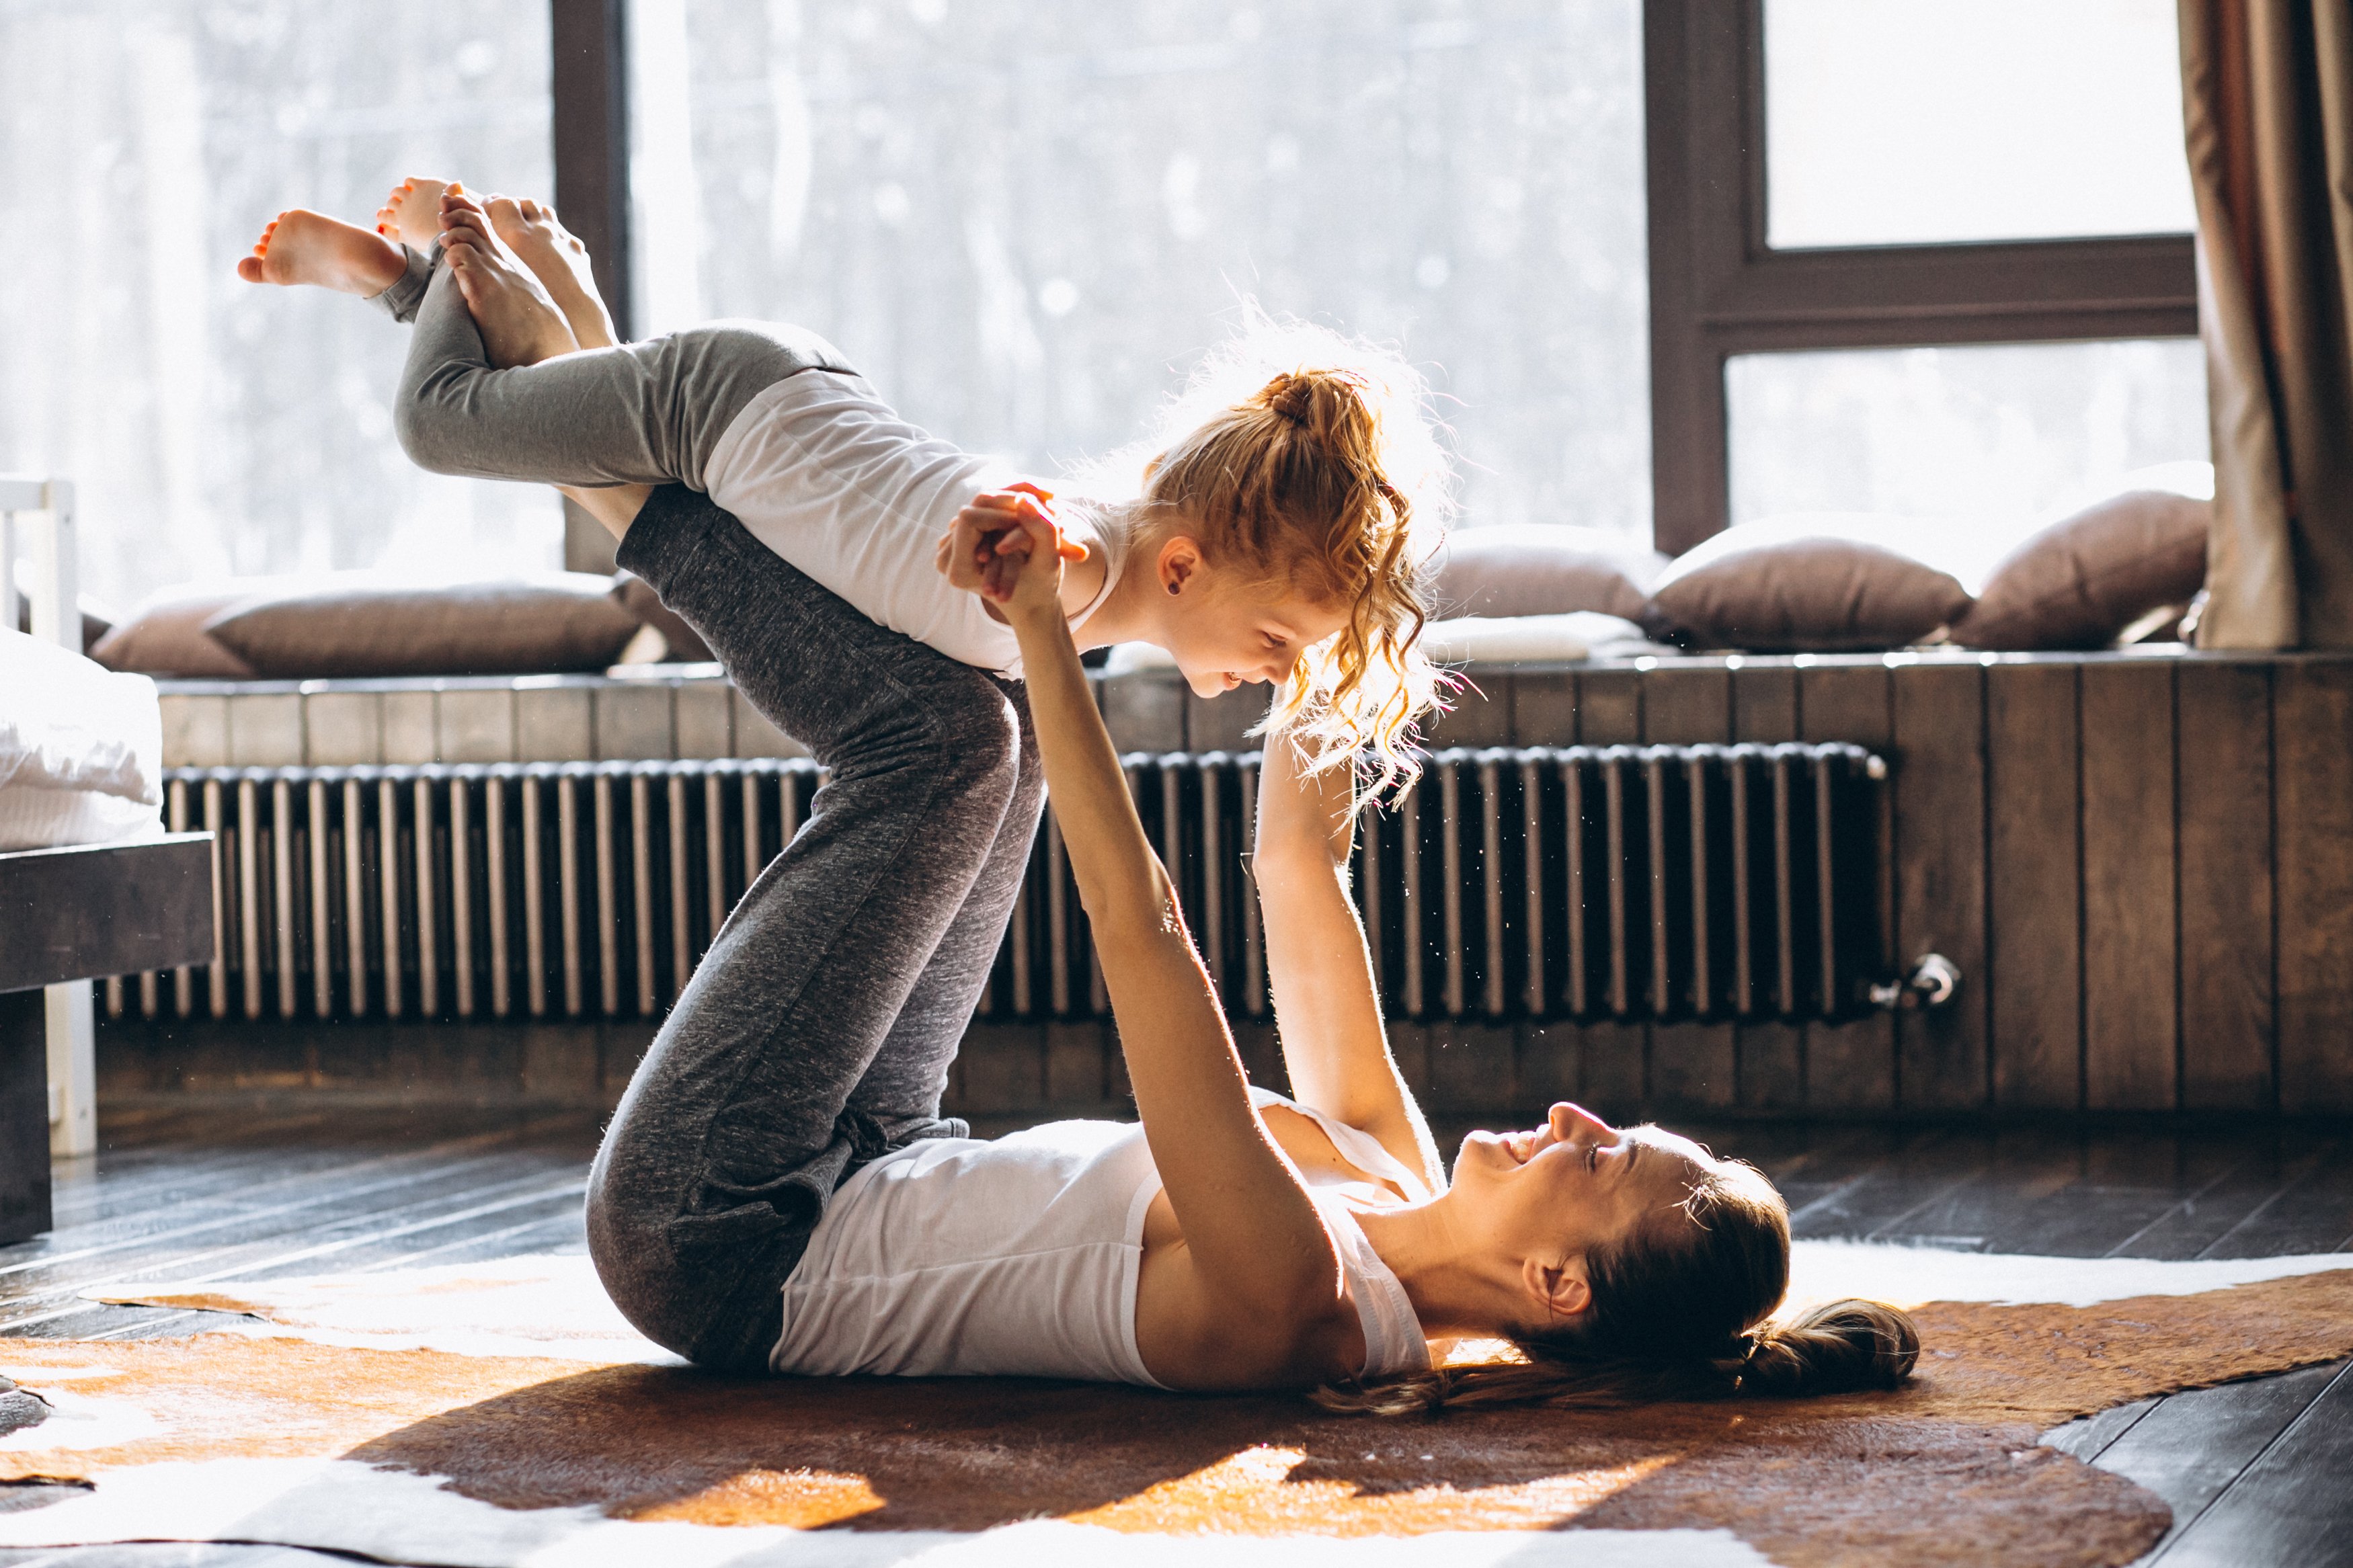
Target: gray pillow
[[556, 622], [2080, 581], [1813, 583], [1542, 569], [164, 634]]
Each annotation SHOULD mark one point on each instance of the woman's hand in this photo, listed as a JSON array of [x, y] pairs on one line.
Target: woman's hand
[[981, 552], [1008, 547]]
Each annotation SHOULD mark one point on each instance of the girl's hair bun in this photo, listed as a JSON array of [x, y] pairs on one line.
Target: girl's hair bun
[[1291, 396]]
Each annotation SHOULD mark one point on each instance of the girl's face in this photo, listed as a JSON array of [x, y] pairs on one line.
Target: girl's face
[[1558, 1191], [1225, 627]]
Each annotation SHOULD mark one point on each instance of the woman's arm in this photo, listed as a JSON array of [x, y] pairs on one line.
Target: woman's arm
[[1263, 1269], [1325, 1006]]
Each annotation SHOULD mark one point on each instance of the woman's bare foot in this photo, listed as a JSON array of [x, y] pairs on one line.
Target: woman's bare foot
[[302, 247], [519, 325], [558, 261], [412, 213]]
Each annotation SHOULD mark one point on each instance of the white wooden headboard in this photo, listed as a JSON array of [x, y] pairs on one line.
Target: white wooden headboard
[[36, 519]]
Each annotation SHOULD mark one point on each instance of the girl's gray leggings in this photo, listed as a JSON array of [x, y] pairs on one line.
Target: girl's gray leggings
[[818, 1031]]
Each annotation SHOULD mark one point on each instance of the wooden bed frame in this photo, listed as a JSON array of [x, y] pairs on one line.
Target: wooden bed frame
[[71, 915]]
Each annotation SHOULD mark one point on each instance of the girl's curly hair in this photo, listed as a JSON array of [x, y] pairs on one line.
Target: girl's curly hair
[[1313, 460]]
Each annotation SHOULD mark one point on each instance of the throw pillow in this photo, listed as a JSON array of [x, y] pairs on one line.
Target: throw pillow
[[560, 621], [1541, 569], [1474, 639], [164, 634], [1813, 583], [2081, 581]]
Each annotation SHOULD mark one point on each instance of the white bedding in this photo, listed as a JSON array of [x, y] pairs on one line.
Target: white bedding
[[82, 749]]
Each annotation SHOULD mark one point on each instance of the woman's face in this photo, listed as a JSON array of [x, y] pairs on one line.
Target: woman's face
[[1573, 1184]]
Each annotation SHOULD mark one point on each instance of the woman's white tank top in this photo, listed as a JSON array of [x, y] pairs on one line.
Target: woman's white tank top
[[1018, 1257]]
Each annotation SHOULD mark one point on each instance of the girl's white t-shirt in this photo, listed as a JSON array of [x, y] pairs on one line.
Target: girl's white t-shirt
[[828, 475]]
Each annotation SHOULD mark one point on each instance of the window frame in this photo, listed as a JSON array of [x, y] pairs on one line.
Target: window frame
[[588, 81], [1718, 289]]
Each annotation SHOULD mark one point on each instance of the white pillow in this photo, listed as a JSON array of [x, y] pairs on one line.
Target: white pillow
[[1473, 639], [1507, 639], [82, 748]]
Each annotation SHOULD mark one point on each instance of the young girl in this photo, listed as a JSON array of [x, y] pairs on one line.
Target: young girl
[[1270, 542]]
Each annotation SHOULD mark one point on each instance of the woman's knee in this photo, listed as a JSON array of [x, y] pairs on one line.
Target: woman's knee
[[976, 737]]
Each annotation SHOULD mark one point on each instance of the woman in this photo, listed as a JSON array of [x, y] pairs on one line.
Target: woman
[[1237, 1240]]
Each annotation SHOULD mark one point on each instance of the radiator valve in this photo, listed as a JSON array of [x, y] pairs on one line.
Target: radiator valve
[[1931, 983]]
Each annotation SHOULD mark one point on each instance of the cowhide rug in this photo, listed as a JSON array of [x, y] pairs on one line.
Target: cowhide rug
[[500, 1415]]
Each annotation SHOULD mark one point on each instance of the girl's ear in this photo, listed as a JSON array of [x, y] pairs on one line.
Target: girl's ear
[[1180, 563], [1557, 1289]]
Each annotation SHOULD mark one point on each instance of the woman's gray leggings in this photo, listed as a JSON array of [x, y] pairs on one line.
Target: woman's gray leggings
[[818, 1031]]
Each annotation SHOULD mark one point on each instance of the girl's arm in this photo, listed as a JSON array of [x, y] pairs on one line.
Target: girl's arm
[[1325, 1006], [1263, 1271]]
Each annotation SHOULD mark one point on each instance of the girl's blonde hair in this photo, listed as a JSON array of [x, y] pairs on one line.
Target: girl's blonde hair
[[1682, 1309], [1313, 459]]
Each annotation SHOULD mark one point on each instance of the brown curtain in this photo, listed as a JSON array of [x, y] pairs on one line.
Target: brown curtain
[[2267, 89]]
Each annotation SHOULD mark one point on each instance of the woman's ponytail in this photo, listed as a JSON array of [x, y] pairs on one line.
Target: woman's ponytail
[[1840, 1347]]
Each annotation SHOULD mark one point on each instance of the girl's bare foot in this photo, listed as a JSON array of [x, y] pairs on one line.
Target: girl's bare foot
[[412, 213], [519, 325], [301, 246], [558, 261]]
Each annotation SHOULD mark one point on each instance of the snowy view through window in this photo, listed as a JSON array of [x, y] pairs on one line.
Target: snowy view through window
[[1024, 220], [215, 427]]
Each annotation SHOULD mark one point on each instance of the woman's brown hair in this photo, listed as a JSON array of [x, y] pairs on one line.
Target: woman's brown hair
[[1680, 1311], [1310, 460]]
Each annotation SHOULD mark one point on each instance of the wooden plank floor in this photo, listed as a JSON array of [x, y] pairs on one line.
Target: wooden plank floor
[[2254, 1471]]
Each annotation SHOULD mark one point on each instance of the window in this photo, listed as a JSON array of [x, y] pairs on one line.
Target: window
[[1996, 433], [1022, 218], [1936, 176], [215, 427], [1898, 122]]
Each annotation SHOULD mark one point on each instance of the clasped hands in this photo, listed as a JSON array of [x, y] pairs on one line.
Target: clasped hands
[[1007, 546]]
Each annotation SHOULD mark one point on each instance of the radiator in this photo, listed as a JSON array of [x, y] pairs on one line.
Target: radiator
[[1613, 882]]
